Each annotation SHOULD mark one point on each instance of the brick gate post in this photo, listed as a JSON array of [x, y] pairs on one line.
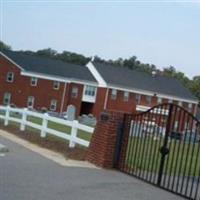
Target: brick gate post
[[101, 151]]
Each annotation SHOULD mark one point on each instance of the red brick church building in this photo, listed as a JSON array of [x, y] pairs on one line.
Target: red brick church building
[[38, 82]]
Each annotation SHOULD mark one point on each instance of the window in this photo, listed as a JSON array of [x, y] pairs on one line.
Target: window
[[186, 126], [34, 81], [74, 93], [56, 85], [53, 105], [113, 94], [30, 102], [90, 90], [190, 107], [176, 125], [148, 100], [10, 77], [170, 101], [159, 100], [126, 96], [137, 98], [180, 103], [6, 98]]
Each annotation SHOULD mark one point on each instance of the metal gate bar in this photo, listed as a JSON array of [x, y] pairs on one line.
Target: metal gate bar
[[163, 149]]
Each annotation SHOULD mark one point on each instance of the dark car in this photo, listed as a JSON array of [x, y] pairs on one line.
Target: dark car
[[191, 136], [176, 135]]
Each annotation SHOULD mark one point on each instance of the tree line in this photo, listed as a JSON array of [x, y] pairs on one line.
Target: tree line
[[132, 63]]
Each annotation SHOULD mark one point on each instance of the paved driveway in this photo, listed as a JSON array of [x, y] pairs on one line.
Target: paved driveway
[[25, 175]]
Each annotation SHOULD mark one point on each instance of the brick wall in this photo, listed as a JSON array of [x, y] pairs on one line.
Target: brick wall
[[44, 93], [119, 104], [102, 147], [20, 88], [98, 106]]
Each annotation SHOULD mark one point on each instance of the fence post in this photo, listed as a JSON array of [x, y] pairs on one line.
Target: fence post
[[44, 125], [74, 131], [7, 114], [24, 117]]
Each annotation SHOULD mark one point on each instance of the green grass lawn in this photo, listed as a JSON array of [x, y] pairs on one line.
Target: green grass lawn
[[52, 125], [143, 154]]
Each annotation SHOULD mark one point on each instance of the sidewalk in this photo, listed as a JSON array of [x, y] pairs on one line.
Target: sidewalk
[[54, 156]]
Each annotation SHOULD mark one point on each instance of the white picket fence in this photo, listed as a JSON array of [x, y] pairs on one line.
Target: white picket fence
[[7, 114]]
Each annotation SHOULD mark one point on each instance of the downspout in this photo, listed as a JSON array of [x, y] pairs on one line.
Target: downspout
[[106, 99], [63, 98]]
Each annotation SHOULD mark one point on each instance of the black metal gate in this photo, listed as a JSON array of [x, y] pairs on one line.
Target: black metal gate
[[162, 147]]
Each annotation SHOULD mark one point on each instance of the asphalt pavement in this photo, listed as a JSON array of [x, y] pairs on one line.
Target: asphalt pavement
[[26, 175]]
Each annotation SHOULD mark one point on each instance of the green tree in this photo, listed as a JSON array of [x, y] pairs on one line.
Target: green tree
[[195, 86], [47, 52], [169, 71], [4, 46], [73, 58], [131, 63]]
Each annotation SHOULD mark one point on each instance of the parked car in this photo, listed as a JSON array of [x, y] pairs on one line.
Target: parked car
[[188, 136], [53, 114], [191, 136], [89, 120], [63, 115], [142, 129], [176, 135]]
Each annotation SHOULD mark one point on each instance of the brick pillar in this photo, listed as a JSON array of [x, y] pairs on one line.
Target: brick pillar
[[101, 151], [123, 151]]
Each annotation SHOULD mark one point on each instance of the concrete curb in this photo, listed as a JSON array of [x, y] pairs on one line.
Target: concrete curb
[[51, 155]]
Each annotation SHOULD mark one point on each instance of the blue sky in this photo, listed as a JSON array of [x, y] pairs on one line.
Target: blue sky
[[159, 33]]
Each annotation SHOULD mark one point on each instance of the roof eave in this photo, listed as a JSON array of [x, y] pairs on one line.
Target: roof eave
[[152, 93], [58, 78]]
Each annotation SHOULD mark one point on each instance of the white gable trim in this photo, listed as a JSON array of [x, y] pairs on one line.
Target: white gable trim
[[149, 93], [14, 63], [96, 74]]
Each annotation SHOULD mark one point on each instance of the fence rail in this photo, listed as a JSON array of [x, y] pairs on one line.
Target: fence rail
[[20, 116]]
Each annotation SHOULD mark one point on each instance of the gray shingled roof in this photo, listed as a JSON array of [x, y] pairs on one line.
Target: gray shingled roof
[[123, 77], [49, 66]]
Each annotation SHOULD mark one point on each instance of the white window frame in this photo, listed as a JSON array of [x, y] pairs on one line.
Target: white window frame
[[187, 125], [126, 96], [90, 91], [53, 105], [113, 94], [74, 92], [180, 103], [7, 97], [176, 125], [138, 98], [148, 99], [170, 100], [30, 101], [33, 81], [10, 77], [56, 85], [159, 100], [190, 107]]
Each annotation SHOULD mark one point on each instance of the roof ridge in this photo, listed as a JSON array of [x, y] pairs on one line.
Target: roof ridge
[[48, 66], [20, 52]]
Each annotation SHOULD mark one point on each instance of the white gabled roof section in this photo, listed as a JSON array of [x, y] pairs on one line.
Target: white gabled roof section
[[96, 74]]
